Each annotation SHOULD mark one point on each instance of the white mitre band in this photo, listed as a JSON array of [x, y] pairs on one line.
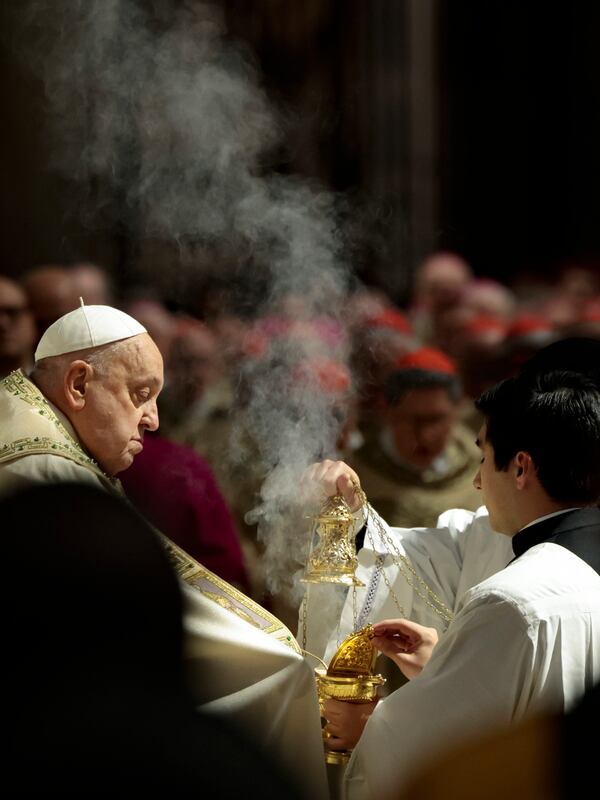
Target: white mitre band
[[87, 326]]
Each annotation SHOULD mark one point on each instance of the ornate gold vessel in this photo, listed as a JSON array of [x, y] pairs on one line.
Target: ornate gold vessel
[[349, 677], [333, 558]]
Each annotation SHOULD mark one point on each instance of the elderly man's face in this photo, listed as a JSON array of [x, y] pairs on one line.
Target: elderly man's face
[[120, 405]]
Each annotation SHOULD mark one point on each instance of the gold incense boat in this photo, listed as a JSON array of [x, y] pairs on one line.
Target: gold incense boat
[[349, 677]]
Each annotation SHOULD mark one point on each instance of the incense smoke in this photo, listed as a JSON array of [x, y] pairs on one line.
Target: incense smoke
[[151, 104]]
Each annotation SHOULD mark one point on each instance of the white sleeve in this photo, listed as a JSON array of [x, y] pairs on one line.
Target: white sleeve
[[465, 689], [418, 573]]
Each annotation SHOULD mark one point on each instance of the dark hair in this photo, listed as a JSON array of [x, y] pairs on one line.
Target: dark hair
[[555, 417], [403, 380], [574, 354]]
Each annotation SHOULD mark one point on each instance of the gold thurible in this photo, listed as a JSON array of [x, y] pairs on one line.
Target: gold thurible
[[333, 558], [350, 677]]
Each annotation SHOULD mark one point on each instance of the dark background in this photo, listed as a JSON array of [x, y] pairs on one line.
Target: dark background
[[521, 134]]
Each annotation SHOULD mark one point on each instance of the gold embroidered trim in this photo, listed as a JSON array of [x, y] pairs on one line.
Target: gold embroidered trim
[[44, 444], [20, 386], [227, 596], [17, 384], [189, 570]]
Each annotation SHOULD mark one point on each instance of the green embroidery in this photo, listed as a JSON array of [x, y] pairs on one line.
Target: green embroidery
[[19, 386], [41, 444]]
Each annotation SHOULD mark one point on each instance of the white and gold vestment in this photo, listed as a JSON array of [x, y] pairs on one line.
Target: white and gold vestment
[[244, 664]]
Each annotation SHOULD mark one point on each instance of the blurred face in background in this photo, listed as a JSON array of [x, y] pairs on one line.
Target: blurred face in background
[[92, 283], [196, 361], [17, 331], [440, 280], [421, 424], [51, 293]]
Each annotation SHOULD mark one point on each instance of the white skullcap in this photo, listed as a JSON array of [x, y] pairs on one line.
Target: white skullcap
[[87, 326]]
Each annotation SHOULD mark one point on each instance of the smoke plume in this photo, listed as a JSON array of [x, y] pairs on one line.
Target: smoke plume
[[151, 104]]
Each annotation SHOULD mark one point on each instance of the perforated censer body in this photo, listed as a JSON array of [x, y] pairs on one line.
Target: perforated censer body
[[333, 557]]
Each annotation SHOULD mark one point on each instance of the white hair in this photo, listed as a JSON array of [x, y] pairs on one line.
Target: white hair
[[47, 372]]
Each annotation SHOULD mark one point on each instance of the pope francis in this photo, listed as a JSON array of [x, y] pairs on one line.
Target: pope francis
[[81, 416]]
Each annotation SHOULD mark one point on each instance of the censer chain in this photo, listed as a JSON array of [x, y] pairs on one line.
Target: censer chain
[[403, 564]]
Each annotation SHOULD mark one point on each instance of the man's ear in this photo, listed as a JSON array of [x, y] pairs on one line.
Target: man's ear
[[75, 383], [524, 468]]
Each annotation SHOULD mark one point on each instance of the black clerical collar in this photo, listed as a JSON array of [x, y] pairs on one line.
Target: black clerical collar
[[576, 529], [537, 531]]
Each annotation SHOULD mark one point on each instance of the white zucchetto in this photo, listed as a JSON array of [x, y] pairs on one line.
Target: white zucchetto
[[87, 326]]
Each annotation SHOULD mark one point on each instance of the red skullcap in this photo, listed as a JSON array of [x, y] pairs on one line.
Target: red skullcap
[[254, 344], [482, 323], [389, 318], [591, 312], [186, 325], [329, 376], [428, 359], [526, 324]]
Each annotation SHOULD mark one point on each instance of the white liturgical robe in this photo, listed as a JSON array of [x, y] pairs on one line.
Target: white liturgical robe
[[260, 685], [525, 640], [462, 551]]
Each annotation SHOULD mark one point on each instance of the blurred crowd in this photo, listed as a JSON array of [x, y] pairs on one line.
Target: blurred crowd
[[399, 385]]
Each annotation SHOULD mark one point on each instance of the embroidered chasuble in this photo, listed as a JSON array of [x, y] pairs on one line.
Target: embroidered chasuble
[[243, 663], [31, 426], [227, 596], [24, 409]]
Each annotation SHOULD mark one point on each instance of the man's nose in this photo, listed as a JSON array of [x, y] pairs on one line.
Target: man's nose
[[477, 480], [150, 419]]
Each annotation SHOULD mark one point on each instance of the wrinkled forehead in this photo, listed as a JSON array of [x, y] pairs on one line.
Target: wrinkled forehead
[[140, 356]]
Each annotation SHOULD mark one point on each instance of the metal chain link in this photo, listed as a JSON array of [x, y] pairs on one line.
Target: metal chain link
[[399, 605], [304, 615], [403, 563]]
